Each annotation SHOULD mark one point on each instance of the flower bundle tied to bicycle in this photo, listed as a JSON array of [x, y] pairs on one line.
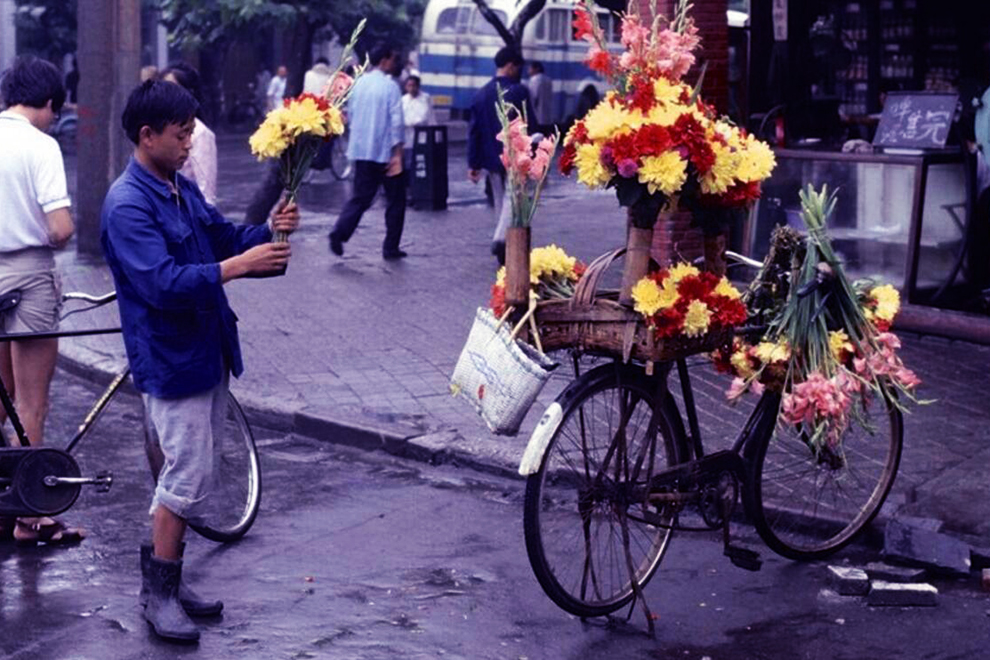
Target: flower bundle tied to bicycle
[[652, 138], [828, 348], [294, 132]]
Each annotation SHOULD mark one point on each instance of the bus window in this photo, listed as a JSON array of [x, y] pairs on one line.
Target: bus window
[[447, 21], [558, 28], [480, 26], [540, 31]]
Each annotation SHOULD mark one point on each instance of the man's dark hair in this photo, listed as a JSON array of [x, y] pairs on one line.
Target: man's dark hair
[[322, 60], [187, 76], [33, 82], [156, 104], [380, 51], [536, 66], [416, 78], [507, 55]]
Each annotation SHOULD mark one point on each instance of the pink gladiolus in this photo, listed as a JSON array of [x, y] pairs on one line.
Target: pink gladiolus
[[541, 160], [736, 389], [907, 378], [336, 88]]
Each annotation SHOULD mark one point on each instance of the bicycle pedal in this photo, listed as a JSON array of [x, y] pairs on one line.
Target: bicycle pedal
[[104, 480], [744, 558]]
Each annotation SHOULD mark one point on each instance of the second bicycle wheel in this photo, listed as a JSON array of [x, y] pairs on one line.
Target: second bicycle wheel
[[234, 500], [587, 495], [808, 506]]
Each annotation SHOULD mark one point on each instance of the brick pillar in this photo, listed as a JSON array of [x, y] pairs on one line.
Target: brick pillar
[[713, 28]]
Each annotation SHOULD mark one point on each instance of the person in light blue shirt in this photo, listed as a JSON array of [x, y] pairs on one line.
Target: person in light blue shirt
[[374, 112]]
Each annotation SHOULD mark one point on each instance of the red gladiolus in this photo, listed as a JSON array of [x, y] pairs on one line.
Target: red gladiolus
[[498, 300], [582, 24], [599, 60], [566, 162]]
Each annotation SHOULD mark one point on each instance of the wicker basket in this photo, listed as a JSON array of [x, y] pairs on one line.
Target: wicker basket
[[593, 321]]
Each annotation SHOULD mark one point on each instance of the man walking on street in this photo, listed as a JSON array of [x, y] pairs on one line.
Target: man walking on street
[[484, 149], [170, 254], [375, 146], [276, 88]]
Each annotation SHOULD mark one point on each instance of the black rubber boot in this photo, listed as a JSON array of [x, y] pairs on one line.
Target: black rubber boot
[[163, 611], [191, 602]]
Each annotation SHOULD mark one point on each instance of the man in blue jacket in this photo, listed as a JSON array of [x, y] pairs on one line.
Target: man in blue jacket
[[170, 253], [484, 149]]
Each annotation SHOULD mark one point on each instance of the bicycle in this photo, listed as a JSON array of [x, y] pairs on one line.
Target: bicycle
[[45, 481], [614, 468], [65, 130]]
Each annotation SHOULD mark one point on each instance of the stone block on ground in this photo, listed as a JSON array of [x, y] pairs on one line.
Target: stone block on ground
[[848, 581], [919, 546], [887, 573], [902, 595]]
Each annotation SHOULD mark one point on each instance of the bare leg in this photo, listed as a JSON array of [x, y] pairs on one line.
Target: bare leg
[[33, 364], [167, 530]]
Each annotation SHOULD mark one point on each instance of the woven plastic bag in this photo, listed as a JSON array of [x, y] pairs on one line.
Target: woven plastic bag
[[499, 375]]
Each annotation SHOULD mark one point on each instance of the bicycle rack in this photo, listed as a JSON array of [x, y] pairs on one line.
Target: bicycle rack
[[42, 481]]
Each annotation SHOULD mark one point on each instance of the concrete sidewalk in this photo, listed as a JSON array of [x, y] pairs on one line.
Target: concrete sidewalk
[[358, 350]]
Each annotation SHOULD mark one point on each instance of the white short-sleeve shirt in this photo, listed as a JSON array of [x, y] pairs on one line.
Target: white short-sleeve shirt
[[32, 183]]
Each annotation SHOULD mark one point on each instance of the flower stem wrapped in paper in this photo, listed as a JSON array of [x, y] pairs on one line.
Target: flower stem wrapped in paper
[[652, 138], [295, 132], [829, 349], [526, 163]]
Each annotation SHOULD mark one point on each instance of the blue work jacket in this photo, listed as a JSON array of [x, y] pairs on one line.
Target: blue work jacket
[[484, 149], [164, 250]]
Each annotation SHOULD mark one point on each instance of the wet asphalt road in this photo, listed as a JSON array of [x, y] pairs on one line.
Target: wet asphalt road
[[364, 556]]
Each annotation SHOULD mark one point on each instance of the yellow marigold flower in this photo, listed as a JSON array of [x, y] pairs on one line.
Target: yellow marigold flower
[[725, 288], [591, 172], [666, 91], [268, 141], [500, 276], [665, 114], [723, 172], [697, 319], [679, 271], [304, 117], [335, 121], [646, 297], [743, 367], [606, 120], [550, 261], [888, 301], [668, 295], [767, 351], [666, 173], [756, 160], [839, 342]]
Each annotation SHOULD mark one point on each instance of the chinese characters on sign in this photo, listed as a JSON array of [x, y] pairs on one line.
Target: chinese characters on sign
[[916, 120]]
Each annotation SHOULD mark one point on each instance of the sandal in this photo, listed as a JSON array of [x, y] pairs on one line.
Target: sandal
[[52, 532]]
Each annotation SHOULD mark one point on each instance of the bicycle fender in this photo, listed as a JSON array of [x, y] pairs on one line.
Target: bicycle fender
[[538, 442]]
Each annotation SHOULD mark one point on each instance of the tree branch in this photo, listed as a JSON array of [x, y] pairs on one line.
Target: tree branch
[[528, 13], [496, 22]]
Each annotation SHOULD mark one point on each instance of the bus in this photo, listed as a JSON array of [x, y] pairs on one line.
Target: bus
[[457, 51]]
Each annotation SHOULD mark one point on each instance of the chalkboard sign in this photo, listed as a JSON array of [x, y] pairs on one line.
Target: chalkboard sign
[[916, 120]]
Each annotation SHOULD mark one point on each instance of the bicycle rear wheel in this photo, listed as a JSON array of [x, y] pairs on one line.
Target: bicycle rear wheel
[[235, 498], [808, 507], [588, 492]]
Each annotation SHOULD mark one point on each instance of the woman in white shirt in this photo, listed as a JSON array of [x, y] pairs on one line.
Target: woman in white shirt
[[201, 166]]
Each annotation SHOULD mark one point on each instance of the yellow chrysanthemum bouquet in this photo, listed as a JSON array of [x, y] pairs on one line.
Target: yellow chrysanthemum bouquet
[[552, 275], [651, 137], [295, 132]]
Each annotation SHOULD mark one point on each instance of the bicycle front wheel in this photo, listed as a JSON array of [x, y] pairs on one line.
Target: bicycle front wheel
[[585, 515], [234, 500], [809, 506]]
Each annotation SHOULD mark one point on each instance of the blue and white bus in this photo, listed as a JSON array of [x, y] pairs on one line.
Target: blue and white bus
[[457, 50]]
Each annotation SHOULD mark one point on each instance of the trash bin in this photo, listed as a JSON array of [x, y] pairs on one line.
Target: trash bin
[[428, 179]]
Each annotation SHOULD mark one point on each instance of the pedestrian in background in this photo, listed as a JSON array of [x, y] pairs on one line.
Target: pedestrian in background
[[315, 80], [72, 83], [484, 149], [170, 254], [201, 166], [35, 221], [377, 130], [541, 94], [149, 72], [276, 88], [417, 110]]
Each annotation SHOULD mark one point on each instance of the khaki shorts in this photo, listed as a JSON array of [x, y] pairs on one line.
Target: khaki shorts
[[31, 271]]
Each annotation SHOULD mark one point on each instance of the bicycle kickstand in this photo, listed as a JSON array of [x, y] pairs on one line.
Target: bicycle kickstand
[[738, 555]]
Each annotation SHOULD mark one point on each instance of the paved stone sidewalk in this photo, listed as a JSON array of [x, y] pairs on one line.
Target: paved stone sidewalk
[[359, 350]]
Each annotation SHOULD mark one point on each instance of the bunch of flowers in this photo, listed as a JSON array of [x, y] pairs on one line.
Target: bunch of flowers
[[295, 132], [526, 164], [552, 274], [652, 138], [683, 301], [829, 350]]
